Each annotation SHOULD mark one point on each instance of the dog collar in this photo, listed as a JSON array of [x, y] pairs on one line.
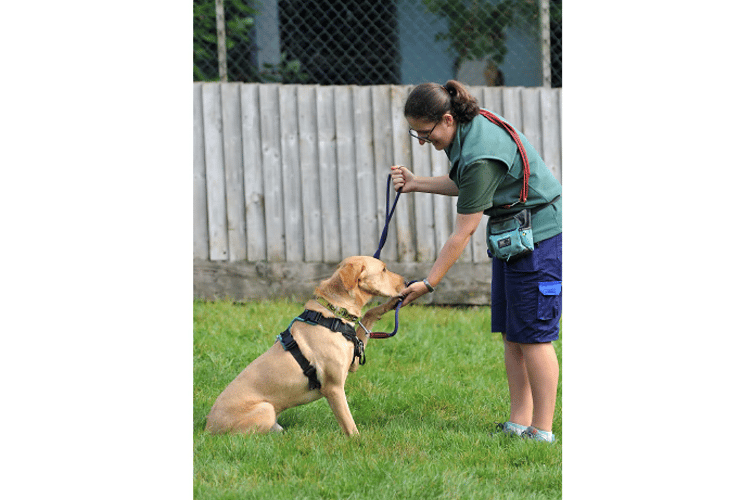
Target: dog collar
[[339, 311]]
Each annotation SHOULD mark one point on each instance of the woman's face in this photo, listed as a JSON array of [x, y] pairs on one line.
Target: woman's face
[[440, 134]]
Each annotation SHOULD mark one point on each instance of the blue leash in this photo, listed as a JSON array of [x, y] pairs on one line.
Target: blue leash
[[389, 214], [385, 335]]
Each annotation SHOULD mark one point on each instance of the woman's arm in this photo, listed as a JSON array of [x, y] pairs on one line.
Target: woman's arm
[[464, 228], [403, 178]]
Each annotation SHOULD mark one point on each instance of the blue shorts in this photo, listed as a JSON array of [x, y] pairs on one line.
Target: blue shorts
[[526, 294]]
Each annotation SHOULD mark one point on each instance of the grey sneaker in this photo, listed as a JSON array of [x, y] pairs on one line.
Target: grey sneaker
[[535, 435], [510, 428]]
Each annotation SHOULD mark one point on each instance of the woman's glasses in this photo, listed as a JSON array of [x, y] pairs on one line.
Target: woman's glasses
[[425, 138]]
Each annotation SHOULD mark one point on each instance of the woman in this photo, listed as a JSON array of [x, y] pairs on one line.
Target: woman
[[486, 175]]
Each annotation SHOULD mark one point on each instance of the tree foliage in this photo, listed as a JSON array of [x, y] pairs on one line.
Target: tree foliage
[[477, 28], [239, 19]]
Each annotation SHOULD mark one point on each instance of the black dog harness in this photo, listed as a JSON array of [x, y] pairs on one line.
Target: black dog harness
[[335, 325]]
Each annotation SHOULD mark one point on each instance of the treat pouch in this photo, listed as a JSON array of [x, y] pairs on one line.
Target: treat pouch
[[510, 237]]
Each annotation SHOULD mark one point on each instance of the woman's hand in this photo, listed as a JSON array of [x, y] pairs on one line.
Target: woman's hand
[[414, 291], [403, 179]]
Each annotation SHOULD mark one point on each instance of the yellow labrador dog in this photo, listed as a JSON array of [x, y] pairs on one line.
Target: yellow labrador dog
[[275, 381]]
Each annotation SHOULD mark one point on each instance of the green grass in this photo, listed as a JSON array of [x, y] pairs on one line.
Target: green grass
[[424, 403]]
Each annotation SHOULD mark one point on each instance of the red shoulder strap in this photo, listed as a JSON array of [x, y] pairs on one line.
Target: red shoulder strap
[[526, 164]]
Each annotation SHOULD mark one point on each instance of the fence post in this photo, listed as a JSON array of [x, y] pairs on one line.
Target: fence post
[[545, 32], [221, 40]]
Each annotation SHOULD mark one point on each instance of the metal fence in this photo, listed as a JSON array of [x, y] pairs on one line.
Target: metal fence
[[338, 42]]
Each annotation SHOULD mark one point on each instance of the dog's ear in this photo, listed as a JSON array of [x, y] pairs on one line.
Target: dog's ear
[[350, 274]]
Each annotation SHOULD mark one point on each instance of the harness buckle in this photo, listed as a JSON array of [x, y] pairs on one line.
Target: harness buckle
[[312, 316], [360, 350], [287, 340]]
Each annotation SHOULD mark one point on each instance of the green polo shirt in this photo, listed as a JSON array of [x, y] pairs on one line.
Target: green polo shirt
[[487, 168]]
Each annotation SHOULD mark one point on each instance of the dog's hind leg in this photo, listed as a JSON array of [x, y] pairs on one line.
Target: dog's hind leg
[[261, 419]]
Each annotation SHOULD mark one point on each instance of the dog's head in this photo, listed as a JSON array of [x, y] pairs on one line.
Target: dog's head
[[361, 278]]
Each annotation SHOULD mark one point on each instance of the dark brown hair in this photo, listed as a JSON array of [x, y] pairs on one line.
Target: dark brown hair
[[429, 101]]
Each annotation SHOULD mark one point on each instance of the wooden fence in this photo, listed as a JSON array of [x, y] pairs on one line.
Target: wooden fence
[[290, 179]]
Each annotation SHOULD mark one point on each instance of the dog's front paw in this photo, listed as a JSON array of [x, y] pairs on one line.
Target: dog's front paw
[[375, 314]]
